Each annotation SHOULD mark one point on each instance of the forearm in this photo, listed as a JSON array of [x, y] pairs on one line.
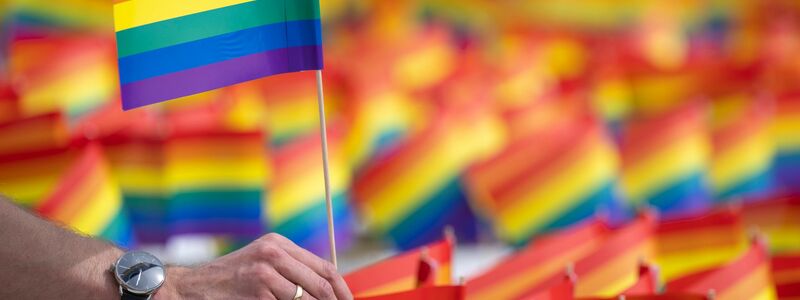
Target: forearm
[[41, 260]]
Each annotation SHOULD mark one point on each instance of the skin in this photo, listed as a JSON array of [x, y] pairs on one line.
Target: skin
[[41, 260]]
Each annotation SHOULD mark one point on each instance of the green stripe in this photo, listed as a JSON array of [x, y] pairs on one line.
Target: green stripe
[[213, 23]]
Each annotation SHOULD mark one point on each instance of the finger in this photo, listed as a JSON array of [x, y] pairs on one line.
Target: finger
[[307, 296], [302, 275], [322, 267], [280, 287]]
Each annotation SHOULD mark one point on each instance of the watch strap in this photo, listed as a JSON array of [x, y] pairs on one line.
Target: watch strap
[[131, 296]]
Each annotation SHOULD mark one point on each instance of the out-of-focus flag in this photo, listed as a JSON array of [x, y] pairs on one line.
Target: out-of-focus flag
[[215, 182], [295, 206], [88, 199], [551, 178], [565, 290], [423, 293], [778, 218], [401, 273], [9, 103], [786, 275], [533, 269], [71, 74], [741, 159], [47, 18], [647, 284], [664, 161], [614, 266], [414, 191], [747, 277], [688, 245], [787, 141], [28, 177], [33, 134], [170, 50]]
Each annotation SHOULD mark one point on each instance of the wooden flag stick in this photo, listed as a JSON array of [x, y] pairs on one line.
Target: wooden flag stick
[[323, 132]]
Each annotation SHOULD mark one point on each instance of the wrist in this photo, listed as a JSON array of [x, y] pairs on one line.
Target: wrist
[[171, 290]]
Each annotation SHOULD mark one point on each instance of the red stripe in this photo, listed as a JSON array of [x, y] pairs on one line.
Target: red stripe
[[438, 293], [630, 236], [721, 219], [72, 181], [645, 136]]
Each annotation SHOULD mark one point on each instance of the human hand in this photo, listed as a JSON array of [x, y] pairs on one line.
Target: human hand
[[269, 268]]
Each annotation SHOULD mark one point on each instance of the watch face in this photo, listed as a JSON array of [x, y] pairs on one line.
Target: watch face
[[139, 272]]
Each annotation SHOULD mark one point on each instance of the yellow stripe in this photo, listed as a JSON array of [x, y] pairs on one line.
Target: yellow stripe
[[748, 157], [559, 193], [102, 208], [674, 161], [403, 284], [232, 173], [30, 191], [136, 13], [290, 199], [675, 265], [756, 285], [598, 283], [785, 129], [140, 178]]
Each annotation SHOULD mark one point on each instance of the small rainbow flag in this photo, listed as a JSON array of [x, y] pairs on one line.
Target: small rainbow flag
[[548, 179], [747, 277], [415, 191], [173, 49], [401, 273], [531, 269], [664, 161], [741, 160], [88, 199], [688, 245], [296, 206], [786, 275], [215, 182]]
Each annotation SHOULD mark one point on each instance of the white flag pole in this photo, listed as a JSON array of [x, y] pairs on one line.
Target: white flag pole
[[324, 136]]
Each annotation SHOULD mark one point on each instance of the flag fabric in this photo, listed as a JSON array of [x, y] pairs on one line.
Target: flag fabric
[[565, 290], [787, 141], [423, 293], [88, 199], [531, 269], [648, 282], [415, 190], [786, 275], [215, 182], [692, 244], [28, 177], [747, 277], [614, 266], [295, 206], [400, 273], [741, 160], [664, 161], [778, 218], [46, 18], [532, 187], [32, 134], [175, 49]]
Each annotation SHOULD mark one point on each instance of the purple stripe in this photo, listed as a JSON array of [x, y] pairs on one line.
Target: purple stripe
[[214, 76]]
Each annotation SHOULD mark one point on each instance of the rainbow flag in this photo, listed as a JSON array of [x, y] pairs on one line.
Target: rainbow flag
[[534, 186], [778, 218], [28, 177], [786, 275], [787, 141], [45, 18], [531, 270], [452, 292], [172, 49], [688, 245], [32, 134], [215, 182], [296, 206], [401, 273], [414, 191], [614, 266], [664, 161], [88, 199], [741, 160], [747, 277]]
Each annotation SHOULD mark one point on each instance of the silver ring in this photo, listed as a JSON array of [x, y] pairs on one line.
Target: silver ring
[[298, 293]]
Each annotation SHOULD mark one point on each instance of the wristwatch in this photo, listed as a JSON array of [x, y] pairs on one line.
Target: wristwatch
[[139, 275]]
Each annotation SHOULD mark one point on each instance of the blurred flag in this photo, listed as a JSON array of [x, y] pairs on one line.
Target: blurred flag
[[45, 18], [33, 134], [296, 206], [648, 282], [533, 269], [747, 277], [215, 182], [414, 191], [401, 273], [778, 218], [171, 50], [613, 267], [787, 141], [89, 200], [742, 147], [550, 178], [565, 290], [664, 161], [28, 177], [688, 245], [423, 293], [786, 275]]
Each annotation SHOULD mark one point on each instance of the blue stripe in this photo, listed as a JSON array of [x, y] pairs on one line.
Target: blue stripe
[[314, 219], [684, 197], [234, 205], [217, 49], [759, 184]]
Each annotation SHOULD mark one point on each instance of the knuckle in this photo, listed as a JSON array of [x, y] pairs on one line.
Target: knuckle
[[264, 274], [329, 271], [273, 237], [325, 290], [268, 252]]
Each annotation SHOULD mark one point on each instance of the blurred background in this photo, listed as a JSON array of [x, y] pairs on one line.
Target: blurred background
[[498, 120]]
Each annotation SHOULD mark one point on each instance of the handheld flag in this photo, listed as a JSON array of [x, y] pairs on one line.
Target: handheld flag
[[173, 49]]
